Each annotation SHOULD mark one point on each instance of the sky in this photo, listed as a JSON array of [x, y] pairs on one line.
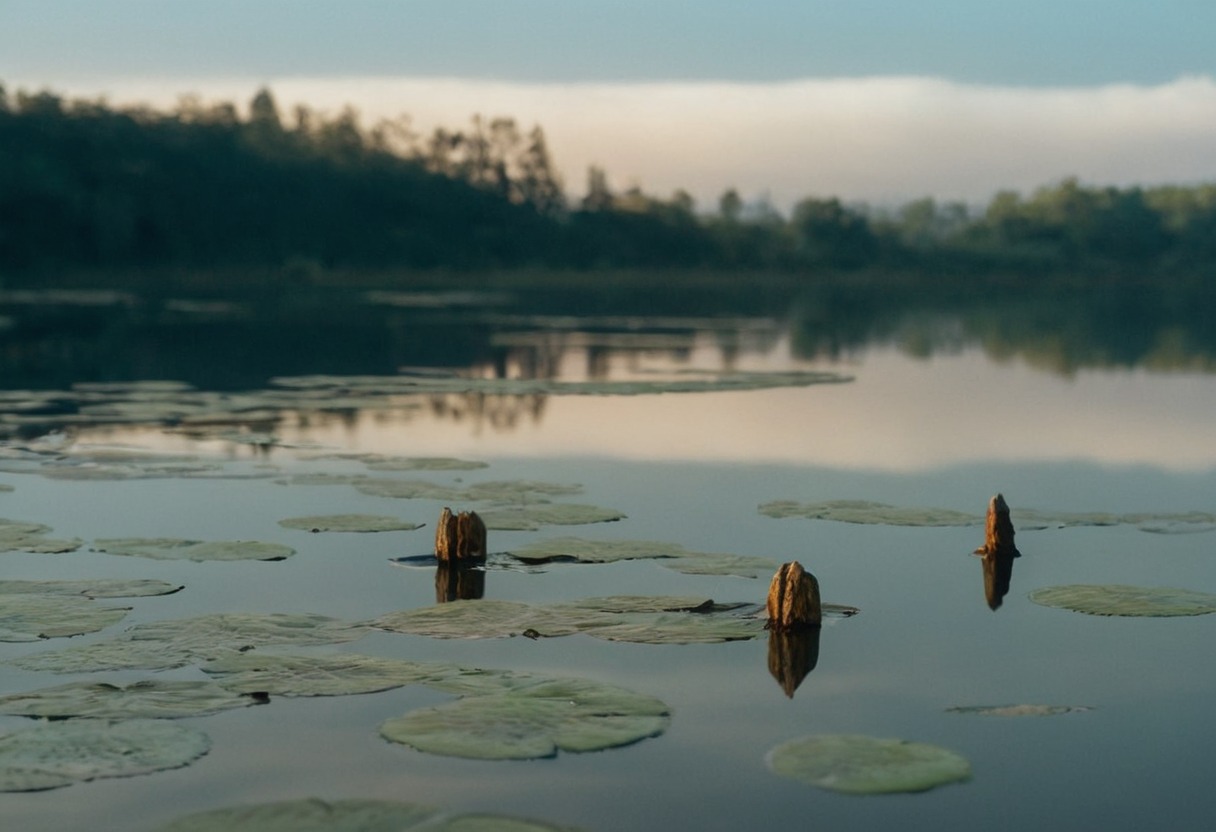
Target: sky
[[880, 101]]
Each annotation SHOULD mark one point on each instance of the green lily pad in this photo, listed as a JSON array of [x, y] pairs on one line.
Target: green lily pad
[[314, 815], [532, 721], [536, 515], [1123, 600], [866, 512], [519, 492], [348, 523], [163, 645], [17, 536], [422, 463], [639, 619], [58, 754], [1018, 710], [333, 675], [167, 548], [406, 489], [671, 555], [33, 617], [151, 699], [865, 765], [99, 588]]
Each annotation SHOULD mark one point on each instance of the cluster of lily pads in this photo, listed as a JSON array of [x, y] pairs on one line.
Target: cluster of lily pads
[[104, 729], [872, 513]]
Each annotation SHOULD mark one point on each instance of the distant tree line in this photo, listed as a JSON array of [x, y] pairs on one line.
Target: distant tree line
[[83, 184]]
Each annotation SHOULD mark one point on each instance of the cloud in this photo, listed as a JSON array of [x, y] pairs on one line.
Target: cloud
[[881, 140]]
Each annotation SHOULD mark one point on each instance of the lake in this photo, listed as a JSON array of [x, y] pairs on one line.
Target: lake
[[735, 428]]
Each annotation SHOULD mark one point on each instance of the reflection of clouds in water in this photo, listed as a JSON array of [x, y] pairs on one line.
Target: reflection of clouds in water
[[878, 139]]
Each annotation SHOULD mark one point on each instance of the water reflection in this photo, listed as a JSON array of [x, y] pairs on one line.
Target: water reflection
[[459, 582], [998, 572], [791, 656]]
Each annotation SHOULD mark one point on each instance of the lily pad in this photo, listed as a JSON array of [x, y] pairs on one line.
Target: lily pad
[[17, 536], [348, 523], [33, 617], [313, 815], [855, 764], [536, 515], [639, 619], [334, 675], [1123, 600], [671, 555], [406, 489], [163, 645], [99, 588], [1018, 710], [151, 699], [58, 754], [866, 512], [168, 548], [538, 720], [422, 463]]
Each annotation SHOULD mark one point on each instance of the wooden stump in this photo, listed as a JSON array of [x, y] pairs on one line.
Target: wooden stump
[[793, 599], [460, 536], [998, 530]]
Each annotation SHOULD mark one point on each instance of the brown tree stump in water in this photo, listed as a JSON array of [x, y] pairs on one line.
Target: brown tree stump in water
[[460, 536], [998, 530], [793, 599]]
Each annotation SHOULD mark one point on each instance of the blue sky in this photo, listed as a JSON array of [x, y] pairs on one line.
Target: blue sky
[[1028, 42], [876, 100]]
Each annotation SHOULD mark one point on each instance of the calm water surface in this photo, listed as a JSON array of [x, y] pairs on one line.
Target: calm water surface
[[947, 430]]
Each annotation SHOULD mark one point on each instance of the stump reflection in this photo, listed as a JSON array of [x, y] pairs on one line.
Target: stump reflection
[[998, 572], [459, 582], [792, 655]]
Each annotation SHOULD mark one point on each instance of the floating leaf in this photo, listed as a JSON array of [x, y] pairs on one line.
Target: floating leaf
[[865, 765], [1018, 710], [532, 721], [99, 588], [671, 555], [167, 548], [313, 815], [17, 536], [333, 675], [476, 619], [310, 816], [406, 489], [31, 617], [58, 754], [1123, 600], [427, 463], [348, 523], [144, 700], [519, 492], [864, 511], [534, 516], [163, 645], [641, 619]]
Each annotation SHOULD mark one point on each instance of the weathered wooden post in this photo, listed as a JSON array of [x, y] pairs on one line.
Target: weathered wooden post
[[793, 599], [998, 530], [460, 537]]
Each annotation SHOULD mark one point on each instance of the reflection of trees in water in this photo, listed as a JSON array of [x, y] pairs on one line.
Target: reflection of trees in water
[[1057, 331], [483, 410]]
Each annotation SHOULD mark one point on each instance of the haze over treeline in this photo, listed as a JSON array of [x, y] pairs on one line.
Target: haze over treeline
[[86, 185]]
